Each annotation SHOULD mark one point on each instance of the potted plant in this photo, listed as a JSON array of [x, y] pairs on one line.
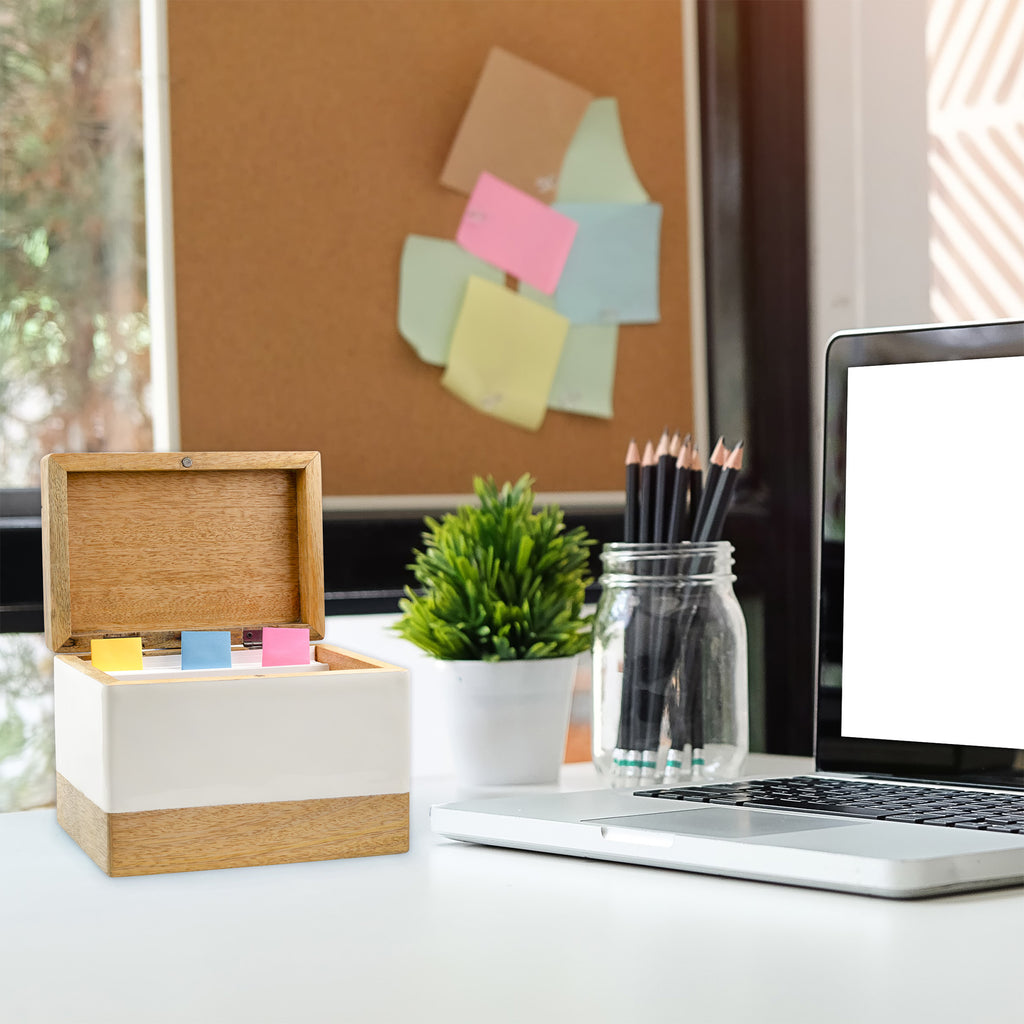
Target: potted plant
[[500, 609]]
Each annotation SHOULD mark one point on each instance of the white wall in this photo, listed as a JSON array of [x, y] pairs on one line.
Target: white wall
[[868, 173]]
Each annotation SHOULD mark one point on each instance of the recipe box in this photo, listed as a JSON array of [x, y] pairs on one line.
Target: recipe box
[[164, 770]]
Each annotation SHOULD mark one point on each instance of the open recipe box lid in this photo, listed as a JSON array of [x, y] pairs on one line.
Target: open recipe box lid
[[152, 544]]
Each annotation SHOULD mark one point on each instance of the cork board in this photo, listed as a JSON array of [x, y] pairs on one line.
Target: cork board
[[307, 141]]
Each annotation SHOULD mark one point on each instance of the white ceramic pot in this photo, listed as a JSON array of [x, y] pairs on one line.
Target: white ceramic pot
[[508, 720]]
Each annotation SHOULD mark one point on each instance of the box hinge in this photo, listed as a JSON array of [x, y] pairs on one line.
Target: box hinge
[[252, 638]]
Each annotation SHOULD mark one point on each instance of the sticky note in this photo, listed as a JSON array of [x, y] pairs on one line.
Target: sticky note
[[120, 654], [205, 648], [585, 379], [597, 167], [431, 287], [283, 645], [516, 232], [518, 125], [504, 354], [611, 275]]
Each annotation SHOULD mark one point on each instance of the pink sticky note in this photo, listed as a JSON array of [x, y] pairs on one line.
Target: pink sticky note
[[516, 232], [285, 646]]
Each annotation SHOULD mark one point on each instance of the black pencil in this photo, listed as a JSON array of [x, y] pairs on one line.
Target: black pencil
[[623, 755], [715, 463], [711, 527], [662, 488], [696, 490], [648, 465], [677, 517], [631, 524]]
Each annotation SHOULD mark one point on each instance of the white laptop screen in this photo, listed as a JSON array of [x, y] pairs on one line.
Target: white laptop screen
[[933, 607], [921, 624]]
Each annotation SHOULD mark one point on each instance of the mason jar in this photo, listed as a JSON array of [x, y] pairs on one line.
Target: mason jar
[[669, 665]]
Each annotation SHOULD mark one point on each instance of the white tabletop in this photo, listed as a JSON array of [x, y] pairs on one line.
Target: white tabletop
[[452, 932]]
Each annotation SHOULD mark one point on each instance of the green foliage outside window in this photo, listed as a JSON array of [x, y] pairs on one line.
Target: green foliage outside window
[[74, 333]]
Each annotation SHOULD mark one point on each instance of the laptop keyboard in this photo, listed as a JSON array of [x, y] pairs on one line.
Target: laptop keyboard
[[953, 808]]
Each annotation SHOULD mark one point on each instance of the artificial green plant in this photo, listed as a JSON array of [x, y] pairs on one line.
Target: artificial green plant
[[498, 581]]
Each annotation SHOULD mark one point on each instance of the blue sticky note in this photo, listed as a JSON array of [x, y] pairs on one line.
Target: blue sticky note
[[205, 649], [611, 275]]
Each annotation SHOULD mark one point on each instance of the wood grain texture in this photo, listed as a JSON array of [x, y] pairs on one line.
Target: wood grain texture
[[84, 822], [56, 579], [309, 509], [338, 660], [155, 543], [234, 835]]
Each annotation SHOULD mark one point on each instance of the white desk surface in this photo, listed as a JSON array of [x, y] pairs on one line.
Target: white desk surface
[[452, 932]]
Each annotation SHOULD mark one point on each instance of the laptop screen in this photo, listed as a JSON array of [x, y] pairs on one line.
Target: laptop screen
[[921, 624]]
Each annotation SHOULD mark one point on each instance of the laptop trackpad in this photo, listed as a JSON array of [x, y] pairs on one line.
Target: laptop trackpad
[[720, 822]]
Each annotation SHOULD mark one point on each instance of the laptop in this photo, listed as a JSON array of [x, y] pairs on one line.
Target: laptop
[[918, 785]]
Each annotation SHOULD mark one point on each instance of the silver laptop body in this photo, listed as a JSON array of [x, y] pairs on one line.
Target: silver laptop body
[[920, 641]]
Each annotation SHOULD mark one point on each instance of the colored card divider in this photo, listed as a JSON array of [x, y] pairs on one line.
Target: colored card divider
[[585, 379], [285, 645], [117, 654], [516, 232], [504, 354], [597, 167], [611, 274], [432, 285], [205, 648], [518, 125]]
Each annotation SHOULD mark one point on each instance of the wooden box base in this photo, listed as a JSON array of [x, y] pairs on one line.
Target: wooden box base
[[234, 835]]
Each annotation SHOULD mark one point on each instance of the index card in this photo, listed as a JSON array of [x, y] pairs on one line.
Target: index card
[[283, 645], [119, 654], [205, 648], [516, 232]]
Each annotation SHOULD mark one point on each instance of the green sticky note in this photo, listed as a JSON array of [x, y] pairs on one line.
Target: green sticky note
[[597, 167], [431, 287], [504, 354], [585, 379], [120, 654]]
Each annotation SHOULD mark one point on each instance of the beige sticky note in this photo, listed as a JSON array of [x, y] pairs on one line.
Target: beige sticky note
[[518, 127], [504, 354], [120, 654]]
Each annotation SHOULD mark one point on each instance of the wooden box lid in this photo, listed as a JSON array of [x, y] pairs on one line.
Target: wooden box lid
[[153, 543]]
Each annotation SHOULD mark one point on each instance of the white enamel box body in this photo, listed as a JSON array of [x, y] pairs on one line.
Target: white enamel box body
[[207, 739]]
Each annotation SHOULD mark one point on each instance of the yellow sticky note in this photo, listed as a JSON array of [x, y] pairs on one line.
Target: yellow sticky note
[[122, 654], [504, 353]]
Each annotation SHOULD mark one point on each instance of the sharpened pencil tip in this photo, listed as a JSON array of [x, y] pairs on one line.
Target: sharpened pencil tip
[[632, 454], [649, 458]]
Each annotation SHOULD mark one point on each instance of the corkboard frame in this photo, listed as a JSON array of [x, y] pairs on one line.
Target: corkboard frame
[[306, 140]]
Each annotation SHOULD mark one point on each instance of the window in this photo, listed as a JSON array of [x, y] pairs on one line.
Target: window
[[74, 325]]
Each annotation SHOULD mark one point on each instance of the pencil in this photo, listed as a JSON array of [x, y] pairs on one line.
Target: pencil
[[631, 524], [715, 463], [662, 488], [677, 518], [623, 758], [711, 528], [647, 470], [696, 490]]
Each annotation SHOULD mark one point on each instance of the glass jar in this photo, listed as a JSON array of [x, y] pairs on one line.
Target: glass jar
[[669, 665]]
